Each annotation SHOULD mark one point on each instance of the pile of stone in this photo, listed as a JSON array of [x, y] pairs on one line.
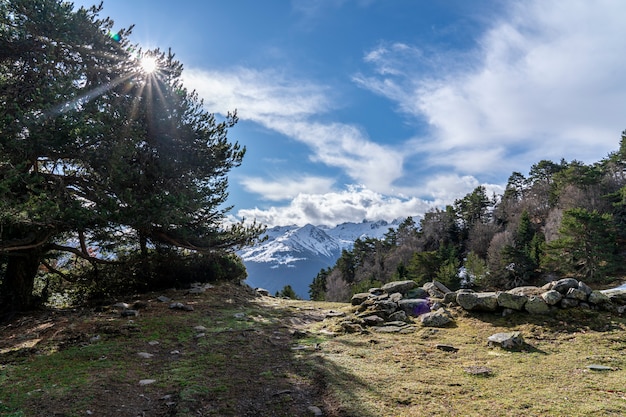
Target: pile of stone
[[393, 307], [562, 294]]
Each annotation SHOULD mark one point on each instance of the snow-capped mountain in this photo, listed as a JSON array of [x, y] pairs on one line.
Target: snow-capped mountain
[[293, 255]]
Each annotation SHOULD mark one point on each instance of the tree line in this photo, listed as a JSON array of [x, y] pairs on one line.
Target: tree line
[[111, 177], [560, 220]]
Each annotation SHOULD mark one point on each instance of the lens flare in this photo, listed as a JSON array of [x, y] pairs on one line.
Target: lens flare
[[148, 64]]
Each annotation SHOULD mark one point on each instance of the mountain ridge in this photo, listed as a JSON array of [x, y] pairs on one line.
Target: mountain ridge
[[293, 255]]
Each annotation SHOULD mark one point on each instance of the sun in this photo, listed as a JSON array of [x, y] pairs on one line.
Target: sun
[[148, 64]]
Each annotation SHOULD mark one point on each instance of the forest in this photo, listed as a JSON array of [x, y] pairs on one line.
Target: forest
[[565, 219]]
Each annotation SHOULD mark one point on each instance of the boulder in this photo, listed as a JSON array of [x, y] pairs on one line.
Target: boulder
[[528, 291], [395, 297], [511, 301], [450, 298], [552, 297], [439, 318], [385, 306], [536, 305], [358, 299], [418, 292], [435, 289], [563, 285], [399, 315], [510, 340], [585, 288], [576, 294], [414, 306], [599, 298], [373, 320], [481, 301], [399, 286], [617, 296]]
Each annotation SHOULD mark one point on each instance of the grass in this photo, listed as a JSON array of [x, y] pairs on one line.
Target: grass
[[254, 364]]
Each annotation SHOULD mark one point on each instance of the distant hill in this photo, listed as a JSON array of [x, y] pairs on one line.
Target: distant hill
[[293, 255]]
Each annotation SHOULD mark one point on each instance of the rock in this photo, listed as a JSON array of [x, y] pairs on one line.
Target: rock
[[506, 340], [399, 315], [163, 299], [536, 305], [569, 303], [480, 301], [399, 286], [434, 290], [616, 296], [331, 314], [200, 329], [552, 297], [140, 305], [95, 339], [563, 285], [145, 355], [147, 382], [447, 348], [439, 318], [314, 411], [478, 370], [414, 307], [121, 306], [376, 291], [350, 327], [598, 298], [385, 306], [576, 294], [527, 291], [600, 368], [181, 306], [450, 298], [373, 320], [511, 301], [129, 313], [417, 293], [395, 297], [358, 299], [584, 288], [263, 291]]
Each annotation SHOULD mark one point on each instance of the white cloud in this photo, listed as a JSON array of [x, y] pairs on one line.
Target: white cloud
[[334, 208], [286, 188], [287, 107], [548, 80]]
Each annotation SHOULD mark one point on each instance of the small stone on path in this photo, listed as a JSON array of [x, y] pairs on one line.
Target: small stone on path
[[144, 382], [599, 368], [145, 355], [315, 411], [478, 370], [447, 348]]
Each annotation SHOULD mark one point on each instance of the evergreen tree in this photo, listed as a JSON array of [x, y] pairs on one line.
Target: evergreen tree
[[95, 149]]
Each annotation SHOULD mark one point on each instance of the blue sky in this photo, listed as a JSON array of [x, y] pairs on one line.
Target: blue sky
[[380, 109]]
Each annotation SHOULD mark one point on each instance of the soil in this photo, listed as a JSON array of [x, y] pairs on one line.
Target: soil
[[259, 368]]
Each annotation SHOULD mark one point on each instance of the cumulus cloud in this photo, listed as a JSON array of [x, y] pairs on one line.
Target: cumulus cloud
[[288, 187], [338, 207]]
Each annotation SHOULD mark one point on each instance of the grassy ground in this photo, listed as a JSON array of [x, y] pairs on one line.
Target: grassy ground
[[260, 356]]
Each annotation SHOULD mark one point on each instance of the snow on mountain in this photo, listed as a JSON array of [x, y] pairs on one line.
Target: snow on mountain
[[293, 255]]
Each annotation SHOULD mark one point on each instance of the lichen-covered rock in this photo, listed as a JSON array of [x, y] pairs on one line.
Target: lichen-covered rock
[[418, 292], [481, 301], [399, 286], [373, 320], [510, 340], [576, 294], [617, 296], [598, 298], [511, 301], [536, 305], [439, 318], [450, 298], [399, 315], [552, 297]]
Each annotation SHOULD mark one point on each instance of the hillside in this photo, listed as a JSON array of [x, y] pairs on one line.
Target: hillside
[[224, 351]]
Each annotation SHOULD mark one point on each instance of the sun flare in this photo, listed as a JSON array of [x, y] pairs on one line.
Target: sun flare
[[148, 64]]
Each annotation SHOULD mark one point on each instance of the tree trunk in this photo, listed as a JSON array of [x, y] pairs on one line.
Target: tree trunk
[[17, 288]]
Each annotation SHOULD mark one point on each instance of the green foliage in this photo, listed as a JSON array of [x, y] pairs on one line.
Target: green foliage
[[287, 292], [586, 247], [317, 288], [476, 268], [365, 285], [95, 151]]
